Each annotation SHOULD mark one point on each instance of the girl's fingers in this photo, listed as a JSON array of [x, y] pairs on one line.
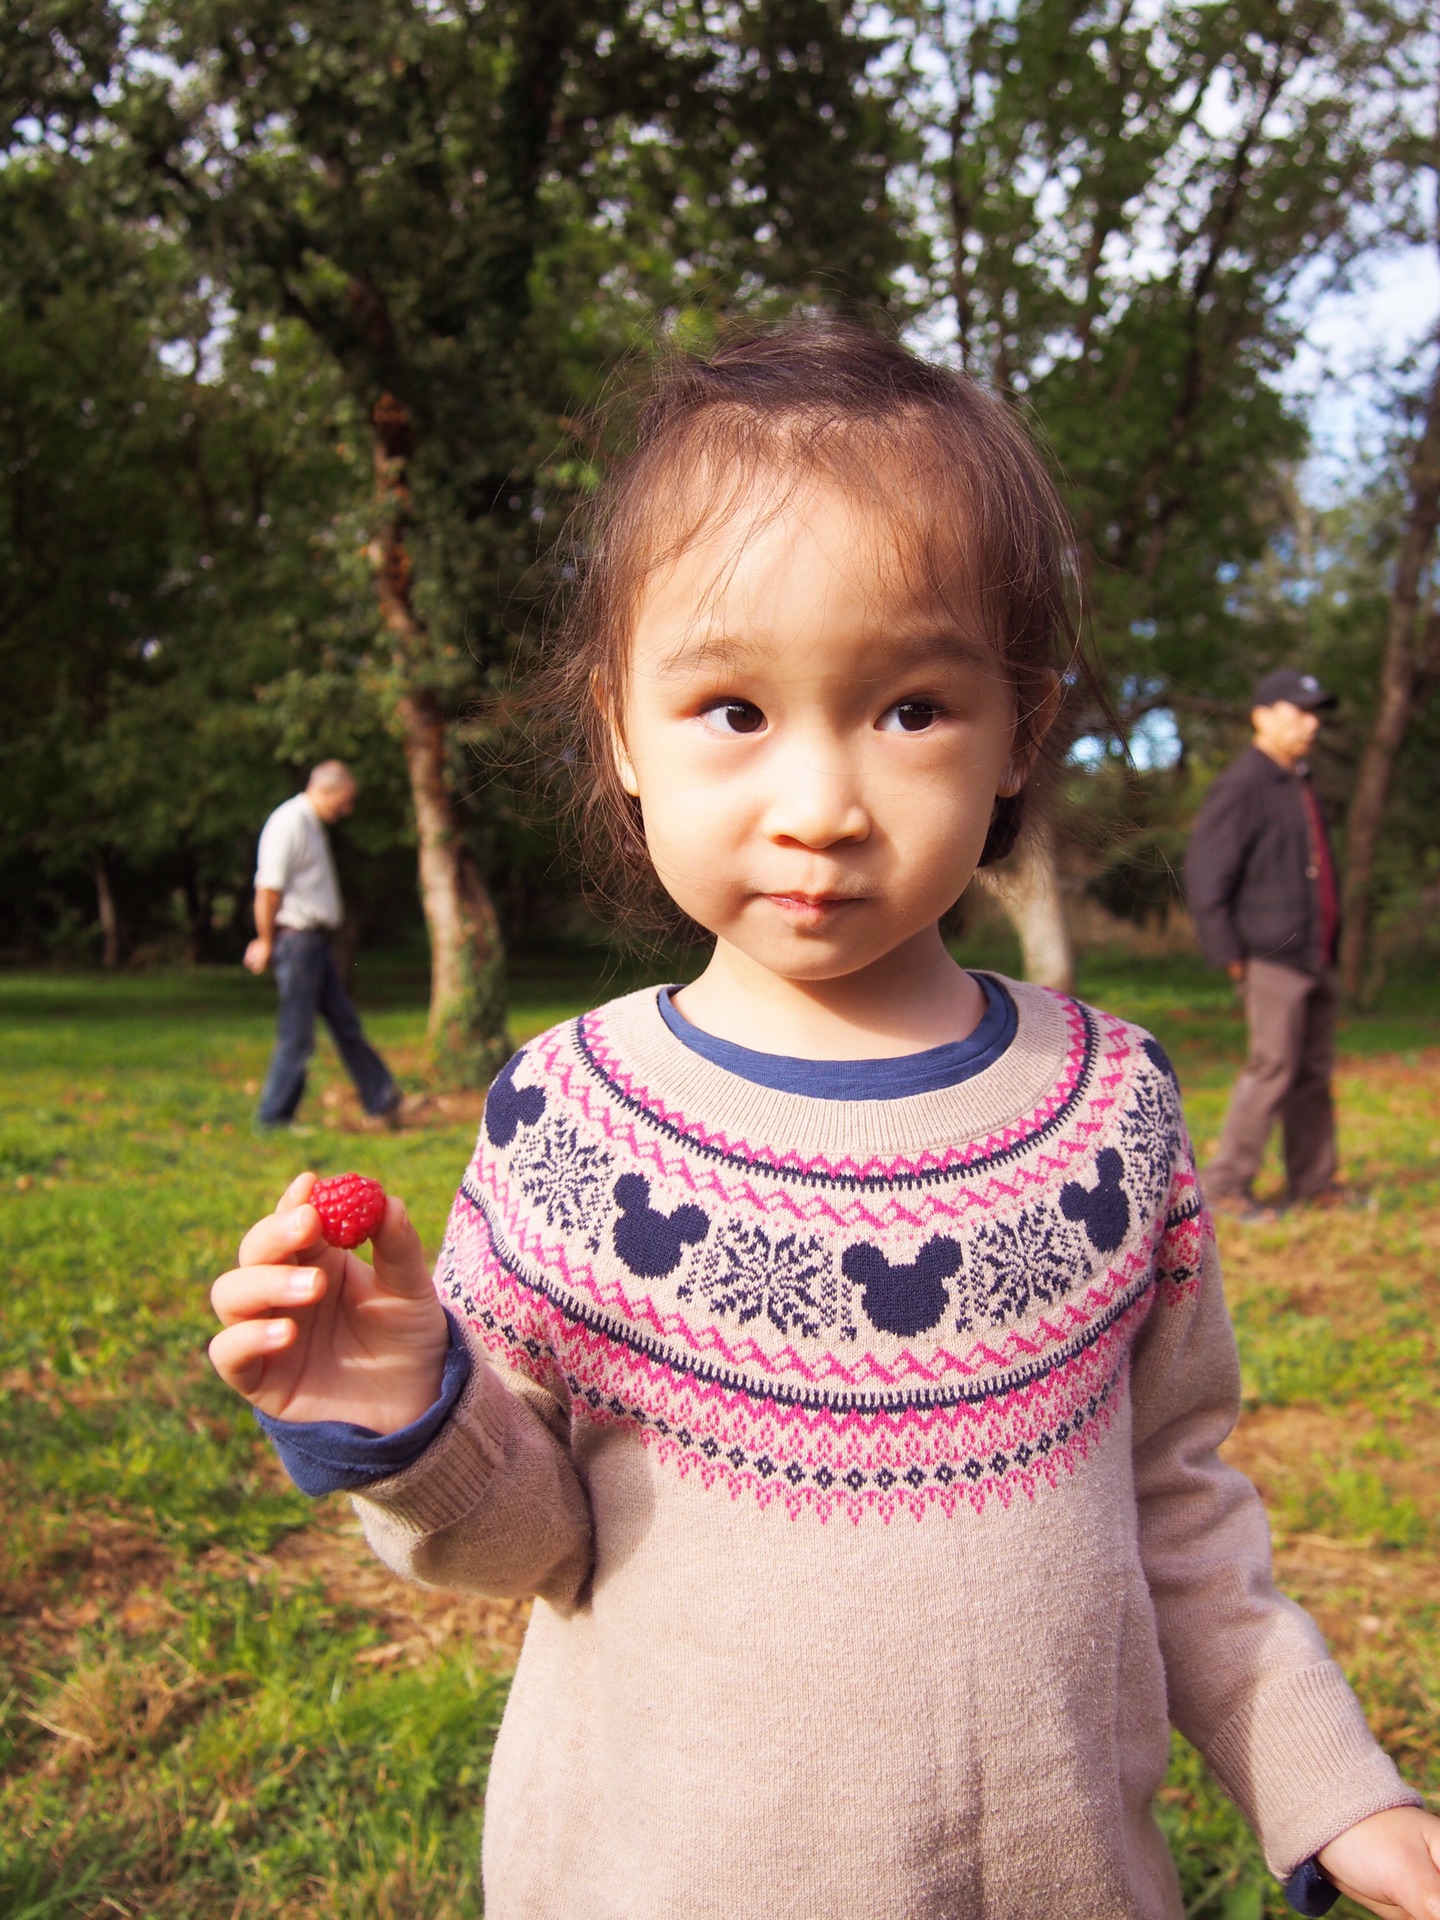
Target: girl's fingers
[[281, 1236], [246, 1293], [298, 1190], [238, 1354], [400, 1264]]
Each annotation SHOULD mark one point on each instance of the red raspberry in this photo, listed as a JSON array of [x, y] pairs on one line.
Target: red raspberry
[[350, 1208]]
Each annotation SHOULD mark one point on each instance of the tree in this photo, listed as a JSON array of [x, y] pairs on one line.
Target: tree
[[428, 191], [175, 526], [1132, 203], [1408, 669], [1410, 659]]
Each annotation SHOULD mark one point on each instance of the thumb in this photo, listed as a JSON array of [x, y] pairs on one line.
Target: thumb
[[399, 1259]]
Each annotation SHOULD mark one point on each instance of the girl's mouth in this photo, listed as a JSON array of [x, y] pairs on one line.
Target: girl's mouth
[[812, 906]]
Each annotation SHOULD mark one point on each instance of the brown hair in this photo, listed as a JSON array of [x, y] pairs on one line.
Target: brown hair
[[976, 522]]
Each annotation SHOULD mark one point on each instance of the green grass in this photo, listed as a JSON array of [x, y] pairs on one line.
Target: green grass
[[193, 1723]]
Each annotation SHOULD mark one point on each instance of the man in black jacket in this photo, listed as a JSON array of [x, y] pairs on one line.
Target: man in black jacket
[[1262, 891]]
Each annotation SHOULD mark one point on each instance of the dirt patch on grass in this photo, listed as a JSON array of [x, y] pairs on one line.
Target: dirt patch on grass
[[1390, 1070], [416, 1620], [1274, 1443], [340, 1107], [108, 1572], [83, 1574]]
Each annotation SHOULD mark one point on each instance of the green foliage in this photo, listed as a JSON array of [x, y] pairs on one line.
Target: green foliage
[[55, 56], [181, 614], [468, 216], [1133, 203]]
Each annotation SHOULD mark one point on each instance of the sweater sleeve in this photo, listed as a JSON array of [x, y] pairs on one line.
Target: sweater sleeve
[[1250, 1679], [1215, 865], [494, 1504]]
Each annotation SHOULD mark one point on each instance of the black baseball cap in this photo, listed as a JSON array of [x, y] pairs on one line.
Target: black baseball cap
[[1300, 689]]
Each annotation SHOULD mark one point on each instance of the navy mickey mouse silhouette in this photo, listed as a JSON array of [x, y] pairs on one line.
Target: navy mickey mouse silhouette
[[648, 1241], [508, 1107], [1103, 1208], [907, 1299]]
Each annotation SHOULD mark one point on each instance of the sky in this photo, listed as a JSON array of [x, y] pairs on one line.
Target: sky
[[1352, 341]]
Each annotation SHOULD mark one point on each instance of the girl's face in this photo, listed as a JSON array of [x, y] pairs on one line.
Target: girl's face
[[815, 755]]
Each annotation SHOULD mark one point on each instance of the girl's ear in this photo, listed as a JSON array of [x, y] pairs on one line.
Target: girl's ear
[[1030, 731], [625, 767]]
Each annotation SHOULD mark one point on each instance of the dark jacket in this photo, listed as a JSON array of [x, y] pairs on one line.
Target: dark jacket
[[1251, 879]]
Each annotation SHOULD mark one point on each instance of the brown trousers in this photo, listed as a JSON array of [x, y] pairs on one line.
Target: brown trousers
[[1291, 1017]]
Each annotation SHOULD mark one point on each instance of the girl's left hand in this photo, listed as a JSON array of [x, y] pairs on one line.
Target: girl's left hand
[[1390, 1863]]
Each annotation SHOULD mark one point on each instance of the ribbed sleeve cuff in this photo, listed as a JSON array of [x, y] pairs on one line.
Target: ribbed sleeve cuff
[[334, 1456], [450, 1478], [1302, 1765]]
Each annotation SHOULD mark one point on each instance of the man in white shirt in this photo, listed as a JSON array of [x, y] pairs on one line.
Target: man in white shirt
[[297, 909]]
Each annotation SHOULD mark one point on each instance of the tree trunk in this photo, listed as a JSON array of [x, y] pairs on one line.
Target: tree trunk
[[106, 913], [1396, 702], [467, 1038], [1027, 886]]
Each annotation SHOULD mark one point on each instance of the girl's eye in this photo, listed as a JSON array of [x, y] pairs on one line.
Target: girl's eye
[[733, 716], [910, 716]]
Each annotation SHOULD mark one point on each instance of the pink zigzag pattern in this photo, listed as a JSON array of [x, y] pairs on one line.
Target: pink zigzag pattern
[[851, 1435], [1011, 1437], [855, 1214], [889, 1443], [489, 1274], [554, 1050], [576, 1090], [889, 1503]]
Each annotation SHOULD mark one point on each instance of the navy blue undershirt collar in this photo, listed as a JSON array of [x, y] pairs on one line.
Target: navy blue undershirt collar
[[893, 1079]]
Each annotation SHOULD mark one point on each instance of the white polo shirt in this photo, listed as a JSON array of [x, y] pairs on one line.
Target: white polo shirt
[[295, 861]]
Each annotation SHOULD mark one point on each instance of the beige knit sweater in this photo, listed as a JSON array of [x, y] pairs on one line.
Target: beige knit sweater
[[862, 1454]]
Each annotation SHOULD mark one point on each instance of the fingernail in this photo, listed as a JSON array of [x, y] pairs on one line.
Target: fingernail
[[276, 1334], [301, 1285]]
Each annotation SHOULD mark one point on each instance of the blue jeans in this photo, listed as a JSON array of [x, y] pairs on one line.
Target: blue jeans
[[309, 983]]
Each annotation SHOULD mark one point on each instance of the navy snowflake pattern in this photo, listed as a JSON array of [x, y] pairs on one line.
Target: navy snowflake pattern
[[567, 1180], [1013, 1266], [789, 1280], [1150, 1127]]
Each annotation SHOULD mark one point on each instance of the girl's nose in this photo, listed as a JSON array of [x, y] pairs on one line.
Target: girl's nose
[[815, 801]]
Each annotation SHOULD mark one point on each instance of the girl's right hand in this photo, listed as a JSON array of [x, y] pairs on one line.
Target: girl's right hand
[[310, 1332]]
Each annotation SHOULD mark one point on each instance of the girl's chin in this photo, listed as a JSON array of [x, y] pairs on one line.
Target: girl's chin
[[809, 957]]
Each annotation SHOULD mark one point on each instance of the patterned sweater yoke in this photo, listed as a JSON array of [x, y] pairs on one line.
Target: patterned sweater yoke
[[862, 1456]]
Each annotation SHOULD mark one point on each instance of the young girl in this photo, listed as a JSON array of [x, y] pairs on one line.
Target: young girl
[[834, 1347]]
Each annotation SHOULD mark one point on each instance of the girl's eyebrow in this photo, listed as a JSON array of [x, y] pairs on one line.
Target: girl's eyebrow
[[699, 651], [895, 651], [943, 644]]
